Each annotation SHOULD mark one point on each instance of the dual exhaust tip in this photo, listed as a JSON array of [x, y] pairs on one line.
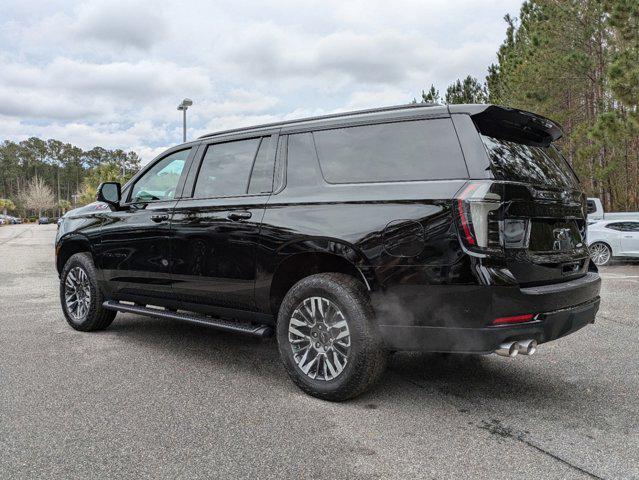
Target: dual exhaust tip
[[512, 349]]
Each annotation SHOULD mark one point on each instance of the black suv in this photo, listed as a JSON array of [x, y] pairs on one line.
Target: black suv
[[437, 228]]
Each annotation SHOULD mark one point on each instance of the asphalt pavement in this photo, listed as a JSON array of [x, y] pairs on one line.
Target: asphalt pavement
[[153, 398]]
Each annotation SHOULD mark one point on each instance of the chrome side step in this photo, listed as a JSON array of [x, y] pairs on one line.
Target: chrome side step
[[226, 325]]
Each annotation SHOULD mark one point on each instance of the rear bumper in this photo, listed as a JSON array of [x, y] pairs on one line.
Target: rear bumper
[[559, 310], [546, 327]]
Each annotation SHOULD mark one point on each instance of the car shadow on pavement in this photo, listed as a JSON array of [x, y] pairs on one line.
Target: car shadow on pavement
[[469, 377], [487, 379], [200, 343]]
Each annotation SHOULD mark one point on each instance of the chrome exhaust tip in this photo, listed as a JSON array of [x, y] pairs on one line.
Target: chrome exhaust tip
[[508, 349], [528, 347]]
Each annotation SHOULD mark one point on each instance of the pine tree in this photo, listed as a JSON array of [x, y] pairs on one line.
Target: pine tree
[[468, 90]]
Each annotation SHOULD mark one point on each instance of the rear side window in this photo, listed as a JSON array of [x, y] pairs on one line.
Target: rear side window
[[624, 226], [390, 152], [519, 162], [226, 168], [262, 174]]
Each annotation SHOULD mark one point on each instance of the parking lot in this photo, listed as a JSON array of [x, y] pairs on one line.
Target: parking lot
[[151, 398]]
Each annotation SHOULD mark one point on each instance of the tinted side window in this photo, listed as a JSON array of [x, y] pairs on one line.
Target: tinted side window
[[226, 168], [160, 181], [279, 176], [302, 169], [262, 174], [616, 226], [592, 208], [414, 150], [625, 226]]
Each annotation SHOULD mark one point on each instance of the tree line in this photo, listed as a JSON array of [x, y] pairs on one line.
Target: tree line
[[575, 62], [49, 176]]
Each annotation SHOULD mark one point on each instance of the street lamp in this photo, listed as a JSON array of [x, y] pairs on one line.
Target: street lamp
[[186, 103]]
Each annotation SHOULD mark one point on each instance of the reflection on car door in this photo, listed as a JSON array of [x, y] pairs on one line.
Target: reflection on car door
[[135, 239], [630, 238], [216, 230]]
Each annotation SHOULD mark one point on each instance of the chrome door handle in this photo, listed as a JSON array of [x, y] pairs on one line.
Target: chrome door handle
[[159, 217], [239, 216]]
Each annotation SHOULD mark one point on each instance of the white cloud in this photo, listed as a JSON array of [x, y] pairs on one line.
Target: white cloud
[[111, 73], [121, 23], [378, 98], [140, 80]]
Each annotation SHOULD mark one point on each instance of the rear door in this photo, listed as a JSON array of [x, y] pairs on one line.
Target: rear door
[[550, 231], [542, 219], [630, 238], [216, 227]]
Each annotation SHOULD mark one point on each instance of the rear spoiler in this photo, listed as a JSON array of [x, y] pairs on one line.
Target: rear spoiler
[[511, 124]]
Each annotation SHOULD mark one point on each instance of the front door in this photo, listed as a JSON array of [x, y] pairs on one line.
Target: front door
[[216, 230], [135, 239]]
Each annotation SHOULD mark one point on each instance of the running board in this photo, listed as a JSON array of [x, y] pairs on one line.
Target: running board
[[226, 325]]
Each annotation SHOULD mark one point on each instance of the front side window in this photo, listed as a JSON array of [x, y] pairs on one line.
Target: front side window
[[161, 180], [226, 168], [390, 152]]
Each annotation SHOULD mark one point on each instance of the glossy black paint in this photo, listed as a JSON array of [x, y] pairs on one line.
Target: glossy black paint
[[133, 253], [213, 250], [235, 257]]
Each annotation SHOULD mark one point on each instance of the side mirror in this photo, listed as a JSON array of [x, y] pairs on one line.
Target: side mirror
[[109, 192]]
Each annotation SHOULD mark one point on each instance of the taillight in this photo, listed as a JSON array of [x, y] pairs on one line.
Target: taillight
[[477, 208]]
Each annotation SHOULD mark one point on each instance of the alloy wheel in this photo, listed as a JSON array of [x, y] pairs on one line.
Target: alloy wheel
[[600, 253], [320, 338], [77, 294]]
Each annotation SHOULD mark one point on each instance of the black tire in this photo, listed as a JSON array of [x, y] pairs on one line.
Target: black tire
[[366, 358], [96, 317]]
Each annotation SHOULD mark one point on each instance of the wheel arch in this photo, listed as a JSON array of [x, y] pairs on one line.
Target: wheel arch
[[606, 243], [69, 246], [327, 256]]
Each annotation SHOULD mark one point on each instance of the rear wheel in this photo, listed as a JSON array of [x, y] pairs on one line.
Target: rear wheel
[[327, 339], [600, 253], [81, 297]]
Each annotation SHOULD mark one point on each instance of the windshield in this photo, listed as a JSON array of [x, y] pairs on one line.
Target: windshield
[[525, 163]]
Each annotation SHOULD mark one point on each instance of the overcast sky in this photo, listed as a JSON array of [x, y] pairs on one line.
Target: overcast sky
[[112, 73]]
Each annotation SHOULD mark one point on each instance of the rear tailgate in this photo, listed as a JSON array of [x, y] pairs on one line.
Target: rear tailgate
[[544, 234], [543, 214]]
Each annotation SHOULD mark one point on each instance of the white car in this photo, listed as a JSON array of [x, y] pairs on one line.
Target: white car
[[613, 238]]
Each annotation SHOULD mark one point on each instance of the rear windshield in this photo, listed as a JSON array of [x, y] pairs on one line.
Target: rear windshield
[[525, 163]]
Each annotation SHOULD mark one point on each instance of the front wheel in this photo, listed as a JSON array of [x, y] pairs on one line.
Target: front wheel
[[81, 297], [327, 338], [600, 253]]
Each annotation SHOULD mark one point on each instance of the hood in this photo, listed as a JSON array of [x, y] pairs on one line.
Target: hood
[[90, 208]]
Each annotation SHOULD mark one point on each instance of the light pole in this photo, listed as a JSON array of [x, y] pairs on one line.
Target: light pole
[[186, 103]]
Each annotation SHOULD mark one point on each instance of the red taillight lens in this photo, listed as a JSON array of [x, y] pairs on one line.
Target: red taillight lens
[[464, 215], [477, 208], [515, 319]]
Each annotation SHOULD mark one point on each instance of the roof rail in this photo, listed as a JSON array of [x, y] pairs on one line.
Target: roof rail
[[324, 117]]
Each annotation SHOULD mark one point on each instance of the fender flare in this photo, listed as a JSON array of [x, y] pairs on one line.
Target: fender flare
[[331, 246]]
